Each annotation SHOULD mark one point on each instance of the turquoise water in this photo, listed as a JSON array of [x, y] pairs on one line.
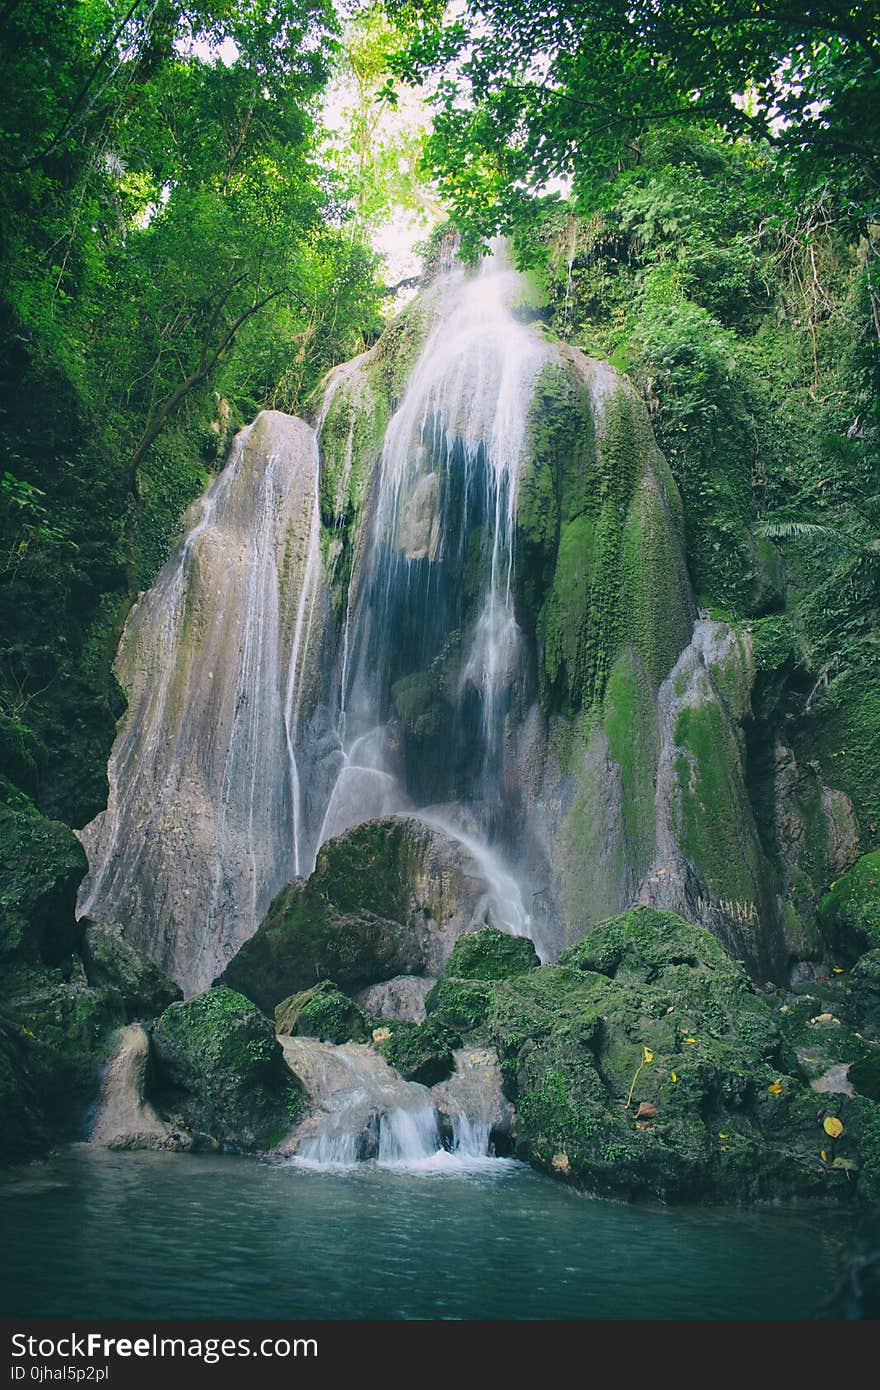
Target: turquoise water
[[95, 1234]]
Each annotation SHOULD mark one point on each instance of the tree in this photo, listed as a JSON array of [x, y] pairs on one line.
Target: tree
[[527, 93]]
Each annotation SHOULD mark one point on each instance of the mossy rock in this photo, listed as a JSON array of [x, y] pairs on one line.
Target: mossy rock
[[322, 1012], [849, 914], [304, 939], [459, 1004], [647, 946], [644, 1064], [222, 1072], [421, 1052], [112, 962], [864, 1076], [387, 898], [54, 1036], [490, 954], [41, 867], [862, 1006]]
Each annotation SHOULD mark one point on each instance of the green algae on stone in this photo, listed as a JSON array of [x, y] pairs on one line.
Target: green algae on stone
[[221, 1071], [420, 1052], [725, 1115], [322, 1012], [490, 954], [113, 962], [849, 913]]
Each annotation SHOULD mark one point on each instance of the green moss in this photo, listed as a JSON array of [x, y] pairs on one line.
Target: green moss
[[862, 1006], [564, 617], [459, 1005], [490, 954], [658, 608], [773, 642], [421, 1052], [221, 1071], [712, 832], [849, 914], [54, 1035], [322, 1012], [732, 1119], [844, 735], [632, 744]]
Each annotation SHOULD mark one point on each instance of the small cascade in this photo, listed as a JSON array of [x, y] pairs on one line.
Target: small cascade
[[363, 1110]]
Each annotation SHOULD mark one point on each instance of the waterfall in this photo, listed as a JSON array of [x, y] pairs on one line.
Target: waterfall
[[204, 819], [433, 584]]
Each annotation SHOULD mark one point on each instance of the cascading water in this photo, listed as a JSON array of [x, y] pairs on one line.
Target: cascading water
[[204, 820], [363, 1110], [431, 598]]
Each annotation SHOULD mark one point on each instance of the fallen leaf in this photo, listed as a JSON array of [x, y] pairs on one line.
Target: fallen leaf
[[690, 1040], [775, 1089], [832, 1126], [823, 1155], [649, 1056], [675, 1078]]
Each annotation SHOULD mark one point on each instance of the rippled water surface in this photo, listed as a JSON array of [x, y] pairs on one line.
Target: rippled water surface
[[96, 1234]]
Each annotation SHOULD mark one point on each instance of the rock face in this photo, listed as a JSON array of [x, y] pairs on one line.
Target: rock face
[[402, 997], [644, 1063], [387, 898], [221, 1072], [203, 822]]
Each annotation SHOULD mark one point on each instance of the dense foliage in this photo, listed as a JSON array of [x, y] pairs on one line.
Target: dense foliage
[[174, 258]]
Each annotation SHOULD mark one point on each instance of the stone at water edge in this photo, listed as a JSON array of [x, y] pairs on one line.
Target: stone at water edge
[[735, 1119], [125, 1118], [220, 1071]]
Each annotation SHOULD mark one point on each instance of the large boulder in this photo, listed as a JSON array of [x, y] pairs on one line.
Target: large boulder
[[222, 1073], [644, 1063], [387, 898]]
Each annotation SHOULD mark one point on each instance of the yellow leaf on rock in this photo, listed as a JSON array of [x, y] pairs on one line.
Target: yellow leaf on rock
[[823, 1155], [832, 1126]]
